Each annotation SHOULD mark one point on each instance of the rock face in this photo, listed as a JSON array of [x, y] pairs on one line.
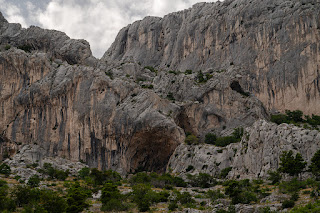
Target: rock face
[[275, 41], [36, 155], [115, 113], [258, 152], [106, 115]]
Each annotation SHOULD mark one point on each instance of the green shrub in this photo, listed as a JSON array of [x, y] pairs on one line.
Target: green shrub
[[313, 207], [179, 182], [292, 186], [234, 138], [114, 205], [140, 177], [210, 138], [188, 72], [51, 202], [5, 169], [112, 199], [214, 195], [152, 69], [295, 196], [174, 72], [238, 133], [7, 47], [240, 191], [170, 97], [295, 116], [225, 141], [76, 198], [172, 206], [201, 180], [24, 195], [150, 86], [290, 164], [287, 204], [315, 164], [200, 77], [109, 176], [191, 140], [244, 197], [274, 176], [84, 172], [109, 191], [53, 173], [231, 209], [266, 210], [141, 196], [224, 172], [6, 203], [26, 47], [110, 74], [313, 121], [208, 76], [184, 198], [34, 181]]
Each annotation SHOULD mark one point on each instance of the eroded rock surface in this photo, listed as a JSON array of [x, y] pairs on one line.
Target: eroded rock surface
[[35, 156], [258, 151], [276, 41], [115, 113]]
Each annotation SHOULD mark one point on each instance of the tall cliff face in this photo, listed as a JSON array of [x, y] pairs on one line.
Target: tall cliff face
[[115, 114], [118, 116], [276, 41]]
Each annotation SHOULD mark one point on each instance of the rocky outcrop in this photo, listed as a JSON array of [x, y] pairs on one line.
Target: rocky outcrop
[[35, 156], [256, 154], [275, 41], [57, 45]]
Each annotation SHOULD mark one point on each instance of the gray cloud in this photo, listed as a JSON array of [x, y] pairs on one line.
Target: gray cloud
[[97, 21]]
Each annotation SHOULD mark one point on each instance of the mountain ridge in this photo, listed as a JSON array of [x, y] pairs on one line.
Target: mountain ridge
[[131, 109]]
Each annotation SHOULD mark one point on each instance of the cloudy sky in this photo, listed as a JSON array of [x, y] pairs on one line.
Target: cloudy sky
[[97, 21]]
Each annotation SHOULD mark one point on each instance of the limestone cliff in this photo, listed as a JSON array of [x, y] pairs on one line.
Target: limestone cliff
[[54, 93], [257, 153], [275, 41], [116, 113]]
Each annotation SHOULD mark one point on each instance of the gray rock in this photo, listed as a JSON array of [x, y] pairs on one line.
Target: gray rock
[[257, 153], [115, 114], [260, 36], [27, 155]]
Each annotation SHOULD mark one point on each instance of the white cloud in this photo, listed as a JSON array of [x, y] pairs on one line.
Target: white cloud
[[97, 21], [13, 13]]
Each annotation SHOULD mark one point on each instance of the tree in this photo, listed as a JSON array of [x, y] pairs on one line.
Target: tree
[[295, 116], [109, 192], [76, 199], [23, 195], [34, 181], [141, 196], [274, 176], [202, 180], [5, 169], [84, 172], [5, 202], [290, 164], [210, 138], [52, 202], [111, 198], [315, 164]]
